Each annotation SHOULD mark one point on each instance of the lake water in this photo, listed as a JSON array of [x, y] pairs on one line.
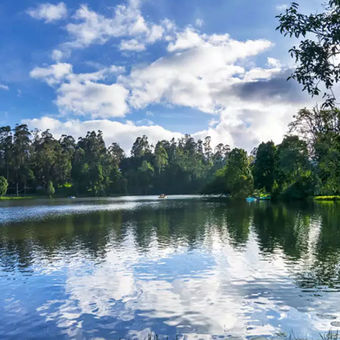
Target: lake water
[[185, 266]]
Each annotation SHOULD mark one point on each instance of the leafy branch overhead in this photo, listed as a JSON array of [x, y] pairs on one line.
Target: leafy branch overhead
[[318, 53]]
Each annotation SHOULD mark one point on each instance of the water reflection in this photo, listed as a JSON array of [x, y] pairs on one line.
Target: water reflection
[[181, 266]]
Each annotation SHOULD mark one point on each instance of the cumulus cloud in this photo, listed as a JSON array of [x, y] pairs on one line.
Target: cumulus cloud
[[127, 21], [195, 73], [123, 133], [85, 93], [213, 73], [49, 12]]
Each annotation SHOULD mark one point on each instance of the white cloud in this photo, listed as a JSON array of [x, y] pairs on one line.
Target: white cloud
[[131, 45], [127, 21], [123, 133], [85, 93], [49, 12], [273, 62], [211, 73], [199, 69], [57, 55], [53, 74], [4, 87]]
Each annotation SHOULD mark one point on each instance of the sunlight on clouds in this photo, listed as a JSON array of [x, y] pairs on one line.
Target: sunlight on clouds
[[49, 12], [212, 73], [196, 73], [127, 21], [83, 94]]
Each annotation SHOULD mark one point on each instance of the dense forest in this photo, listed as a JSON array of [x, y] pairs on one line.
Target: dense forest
[[305, 163]]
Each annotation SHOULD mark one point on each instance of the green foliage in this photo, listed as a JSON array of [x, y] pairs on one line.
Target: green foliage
[[296, 168], [264, 166], [239, 181], [3, 186], [319, 47], [235, 179], [321, 129], [327, 198], [50, 189]]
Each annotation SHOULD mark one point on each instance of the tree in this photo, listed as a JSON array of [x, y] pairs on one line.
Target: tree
[[6, 148], [91, 165], [264, 166], [52, 159], [50, 189], [161, 158], [21, 151], [235, 178], [145, 173], [238, 178], [293, 169], [317, 55], [141, 147], [321, 130], [311, 124], [3, 186]]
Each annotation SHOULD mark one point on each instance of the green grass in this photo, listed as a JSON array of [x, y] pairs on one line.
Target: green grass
[[15, 198], [327, 198]]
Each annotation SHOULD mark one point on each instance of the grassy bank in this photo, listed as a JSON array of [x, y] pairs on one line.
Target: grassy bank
[[16, 198], [327, 198]]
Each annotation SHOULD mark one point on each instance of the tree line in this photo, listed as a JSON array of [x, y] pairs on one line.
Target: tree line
[[305, 163], [302, 165], [37, 162]]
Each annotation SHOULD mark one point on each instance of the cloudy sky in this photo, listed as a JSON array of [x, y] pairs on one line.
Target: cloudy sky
[[161, 68]]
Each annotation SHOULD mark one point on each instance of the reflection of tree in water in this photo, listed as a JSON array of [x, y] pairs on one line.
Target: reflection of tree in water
[[192, 223], [283, 226], [189, 223], [325, 268], [238, 217], [53, 238]]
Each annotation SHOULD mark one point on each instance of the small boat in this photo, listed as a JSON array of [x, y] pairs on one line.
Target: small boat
[[163, 196], [250, 199]]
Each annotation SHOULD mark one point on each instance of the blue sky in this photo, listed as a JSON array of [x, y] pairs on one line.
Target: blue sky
[[162, 68]]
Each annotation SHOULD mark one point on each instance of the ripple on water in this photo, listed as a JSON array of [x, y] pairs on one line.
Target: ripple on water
[[118, 269]]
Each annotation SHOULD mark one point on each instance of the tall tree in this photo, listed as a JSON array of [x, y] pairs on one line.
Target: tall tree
[[6, 149], [317, 55], [238, 178], [20, 157], [264, 166]]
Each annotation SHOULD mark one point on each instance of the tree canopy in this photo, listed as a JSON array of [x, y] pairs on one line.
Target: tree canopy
[[317, 55]]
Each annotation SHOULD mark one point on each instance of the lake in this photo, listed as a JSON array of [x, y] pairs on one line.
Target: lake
[[186, 266]]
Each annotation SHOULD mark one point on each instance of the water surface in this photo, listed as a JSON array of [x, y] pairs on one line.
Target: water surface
[[186, 266]]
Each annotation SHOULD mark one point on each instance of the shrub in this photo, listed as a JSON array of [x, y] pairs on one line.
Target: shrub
[[3, 186], [50, 189]]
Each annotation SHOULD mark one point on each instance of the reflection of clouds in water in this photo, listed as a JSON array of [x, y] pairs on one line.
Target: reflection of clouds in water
[[226, 291], [17, 214], [26, 210]]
